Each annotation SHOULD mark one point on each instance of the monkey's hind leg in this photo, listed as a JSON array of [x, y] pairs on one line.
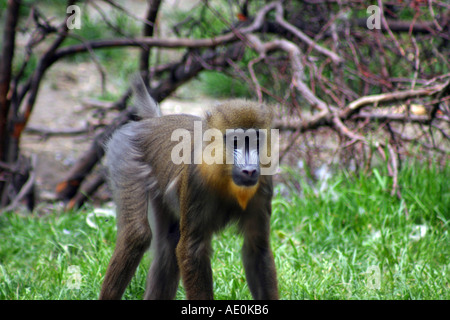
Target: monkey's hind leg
[[133, 239], [164, 275], [131, 246]]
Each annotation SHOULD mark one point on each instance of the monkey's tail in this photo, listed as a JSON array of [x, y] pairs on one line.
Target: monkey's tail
[[146, 106]]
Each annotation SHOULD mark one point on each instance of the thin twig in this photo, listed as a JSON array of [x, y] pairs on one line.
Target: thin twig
[[299, 34]]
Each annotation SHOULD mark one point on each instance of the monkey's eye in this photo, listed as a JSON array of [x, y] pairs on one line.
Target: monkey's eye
[[240, 139], [233, 140]]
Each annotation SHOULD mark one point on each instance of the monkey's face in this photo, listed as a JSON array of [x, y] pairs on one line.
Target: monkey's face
[[245, 128], [242, 151]]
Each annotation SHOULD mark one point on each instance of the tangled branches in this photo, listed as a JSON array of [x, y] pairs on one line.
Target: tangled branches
[[345, 91]]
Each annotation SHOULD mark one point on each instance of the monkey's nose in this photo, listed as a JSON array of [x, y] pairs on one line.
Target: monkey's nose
[[249, 172], [246, 176]]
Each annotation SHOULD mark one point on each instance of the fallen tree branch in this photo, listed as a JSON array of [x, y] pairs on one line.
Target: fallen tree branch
[[404, 118], [357, 104], [46, 132], [342, 128], [407, 26], [323, 118], [88, 188]]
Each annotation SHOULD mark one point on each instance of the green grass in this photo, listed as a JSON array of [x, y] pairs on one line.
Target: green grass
[[328, 244], [330, 240]]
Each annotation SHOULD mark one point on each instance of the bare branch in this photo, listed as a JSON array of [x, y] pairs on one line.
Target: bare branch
[[386, 26], [404, 118], [46, 132], [299, 34], [396, 95], [169, 43], [147, 21], [296, 65], [148, 30]]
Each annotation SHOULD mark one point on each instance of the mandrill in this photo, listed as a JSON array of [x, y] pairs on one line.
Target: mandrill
[[189, 190]]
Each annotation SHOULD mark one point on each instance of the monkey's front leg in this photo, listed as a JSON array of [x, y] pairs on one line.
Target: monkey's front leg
[[260, 270], [258, 258], [193, 254]]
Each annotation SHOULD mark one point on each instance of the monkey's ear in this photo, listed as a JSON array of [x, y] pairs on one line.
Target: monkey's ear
[[208, 115]]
